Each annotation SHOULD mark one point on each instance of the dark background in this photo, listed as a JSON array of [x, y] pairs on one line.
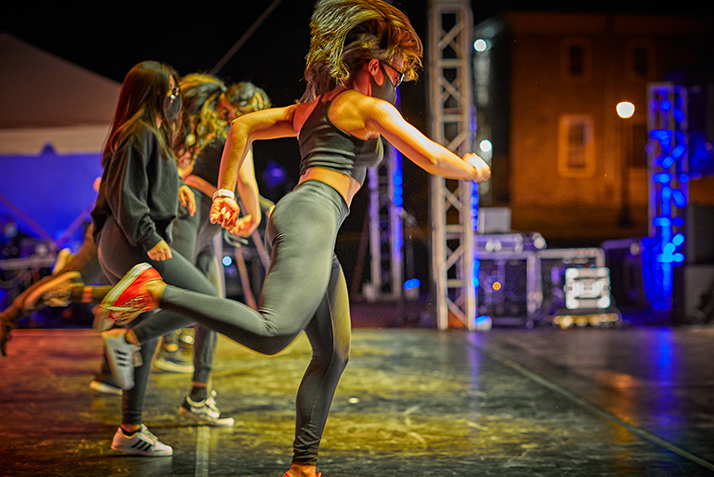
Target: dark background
[[109, 38]]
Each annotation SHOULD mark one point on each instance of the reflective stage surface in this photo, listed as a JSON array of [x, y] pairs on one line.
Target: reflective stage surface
[[412, 402]]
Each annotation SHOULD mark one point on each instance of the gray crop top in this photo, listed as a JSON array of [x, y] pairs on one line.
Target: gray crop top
[[322, 144]]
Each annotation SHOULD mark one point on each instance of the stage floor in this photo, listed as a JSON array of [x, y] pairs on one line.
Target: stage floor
[[412, 402]]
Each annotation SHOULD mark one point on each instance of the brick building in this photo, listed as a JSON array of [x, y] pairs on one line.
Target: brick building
[[546, 89]]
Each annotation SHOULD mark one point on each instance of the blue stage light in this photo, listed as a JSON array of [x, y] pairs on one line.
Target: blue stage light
[[680, 201], [661, 221], [668, 183], [398, 179], [662, 177]]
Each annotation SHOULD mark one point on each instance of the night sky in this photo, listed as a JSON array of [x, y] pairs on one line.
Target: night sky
[[110, 41]]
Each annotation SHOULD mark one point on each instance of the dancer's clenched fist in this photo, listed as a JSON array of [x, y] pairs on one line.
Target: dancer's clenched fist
[[224, 211]]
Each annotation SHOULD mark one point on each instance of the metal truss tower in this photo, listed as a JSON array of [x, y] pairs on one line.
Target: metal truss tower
[[668, 159], [385, 227], [453, 211]]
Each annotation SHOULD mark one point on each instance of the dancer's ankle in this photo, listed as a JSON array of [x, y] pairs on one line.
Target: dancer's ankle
[[130, 337], [79, 293], [199, 392], [302, 470], [130, 428], [156, 290]]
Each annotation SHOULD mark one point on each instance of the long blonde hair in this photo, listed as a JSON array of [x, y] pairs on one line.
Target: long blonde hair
[[201, 123], [344, 33]]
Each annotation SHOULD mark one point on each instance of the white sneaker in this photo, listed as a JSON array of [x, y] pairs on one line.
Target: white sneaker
[[53, 290], [142, 442], [123, 357], [105, 383], [205, 412], [172, 361], [63, 258]]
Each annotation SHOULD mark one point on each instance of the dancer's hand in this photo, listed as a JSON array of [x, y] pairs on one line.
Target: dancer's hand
[[224, 211], [187, 199], [481, 170], [245, 226], [160, 252]]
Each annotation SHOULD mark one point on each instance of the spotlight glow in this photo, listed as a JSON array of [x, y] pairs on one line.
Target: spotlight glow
[[480, 45], [625, 109]]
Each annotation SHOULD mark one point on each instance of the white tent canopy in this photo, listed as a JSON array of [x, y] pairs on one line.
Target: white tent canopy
[[47, 100]]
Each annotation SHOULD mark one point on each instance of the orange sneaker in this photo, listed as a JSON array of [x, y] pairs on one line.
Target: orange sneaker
[[128, 299]]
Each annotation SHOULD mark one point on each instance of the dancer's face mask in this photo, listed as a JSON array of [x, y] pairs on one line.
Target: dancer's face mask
[[172, 104], [387, 90]]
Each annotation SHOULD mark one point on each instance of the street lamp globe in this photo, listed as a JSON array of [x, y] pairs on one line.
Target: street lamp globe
[[625, 109]]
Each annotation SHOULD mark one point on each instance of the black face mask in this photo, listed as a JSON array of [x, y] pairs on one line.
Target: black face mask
[[172, 107], [386, 90]]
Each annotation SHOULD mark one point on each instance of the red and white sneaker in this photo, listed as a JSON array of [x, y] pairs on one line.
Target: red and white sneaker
[[128, 299]]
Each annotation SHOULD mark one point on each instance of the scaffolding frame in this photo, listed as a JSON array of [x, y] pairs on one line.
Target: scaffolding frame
[[668, 169], [385, 228], [454, 203]]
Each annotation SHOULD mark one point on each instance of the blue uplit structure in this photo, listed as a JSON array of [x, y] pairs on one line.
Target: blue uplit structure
[[668, 153], [398, 198], [476, 269]]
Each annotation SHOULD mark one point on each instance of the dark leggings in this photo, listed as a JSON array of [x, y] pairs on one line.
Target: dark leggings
[[116, 257], [193, 238], [304, 289]]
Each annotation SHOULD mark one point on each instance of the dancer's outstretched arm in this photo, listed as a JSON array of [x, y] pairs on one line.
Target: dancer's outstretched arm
[[434, 158], [265, 124]]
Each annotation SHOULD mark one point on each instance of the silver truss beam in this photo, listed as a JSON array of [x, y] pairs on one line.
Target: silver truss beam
[[452, 212], [385, 228], [668, 168]]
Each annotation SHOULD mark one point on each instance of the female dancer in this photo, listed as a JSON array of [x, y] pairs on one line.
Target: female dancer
[[360, 52], [137, 203], [208, 105]]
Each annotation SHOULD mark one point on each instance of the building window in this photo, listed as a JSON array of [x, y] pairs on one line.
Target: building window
[[640, 60], [576, 157], [576, 59]]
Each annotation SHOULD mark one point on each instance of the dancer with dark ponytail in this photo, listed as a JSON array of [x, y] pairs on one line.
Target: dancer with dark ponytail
[[360, 52], [137, 205], [208, 105]]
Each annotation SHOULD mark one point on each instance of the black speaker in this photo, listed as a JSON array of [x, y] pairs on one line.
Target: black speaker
[[694, 286], [699, 239], [624, 259]]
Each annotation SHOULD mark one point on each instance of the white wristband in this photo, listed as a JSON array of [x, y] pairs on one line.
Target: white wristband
[[223, 193]]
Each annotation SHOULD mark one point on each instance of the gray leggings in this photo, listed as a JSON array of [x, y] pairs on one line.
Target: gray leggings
[[304, 289], [193, 238], [116, 257]]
